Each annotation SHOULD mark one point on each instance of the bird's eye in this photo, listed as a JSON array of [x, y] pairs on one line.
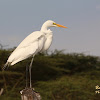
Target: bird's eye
[[54, 23]]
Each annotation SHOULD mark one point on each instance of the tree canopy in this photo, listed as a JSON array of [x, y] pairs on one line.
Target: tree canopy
[[57, 76]]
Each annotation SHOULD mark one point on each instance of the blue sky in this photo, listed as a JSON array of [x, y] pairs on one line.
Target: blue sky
[[18, 18]]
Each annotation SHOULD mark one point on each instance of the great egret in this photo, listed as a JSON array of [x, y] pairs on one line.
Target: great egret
[[37, 41]]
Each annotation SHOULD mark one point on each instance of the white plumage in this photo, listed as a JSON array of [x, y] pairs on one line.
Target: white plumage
[[37, 41], [31, 45]]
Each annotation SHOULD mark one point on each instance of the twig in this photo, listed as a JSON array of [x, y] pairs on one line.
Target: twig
[[1, 91]]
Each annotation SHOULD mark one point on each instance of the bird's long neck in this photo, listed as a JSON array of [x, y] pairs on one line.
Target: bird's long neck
[[44, 28]]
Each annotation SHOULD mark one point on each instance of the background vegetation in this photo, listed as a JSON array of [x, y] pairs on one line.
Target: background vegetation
[[57, 76]]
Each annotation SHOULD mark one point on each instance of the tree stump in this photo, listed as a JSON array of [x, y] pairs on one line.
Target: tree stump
[[29, 94]]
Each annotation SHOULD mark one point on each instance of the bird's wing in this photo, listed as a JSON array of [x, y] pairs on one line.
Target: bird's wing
[[30, 39], [28, 47]]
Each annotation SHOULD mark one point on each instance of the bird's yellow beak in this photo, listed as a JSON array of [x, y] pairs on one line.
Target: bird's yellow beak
[[61, 26], [58, 25]]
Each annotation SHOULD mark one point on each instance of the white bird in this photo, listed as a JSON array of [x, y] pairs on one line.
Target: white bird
[[38, 41]]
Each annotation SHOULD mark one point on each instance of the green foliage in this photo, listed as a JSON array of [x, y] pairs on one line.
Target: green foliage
[[57, 76], [69, 88]]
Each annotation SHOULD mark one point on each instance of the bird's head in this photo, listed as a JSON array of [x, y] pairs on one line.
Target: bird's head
[[50, 23]]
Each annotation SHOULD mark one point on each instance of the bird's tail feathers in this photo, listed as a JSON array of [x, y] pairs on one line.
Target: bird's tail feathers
[[6, 65]]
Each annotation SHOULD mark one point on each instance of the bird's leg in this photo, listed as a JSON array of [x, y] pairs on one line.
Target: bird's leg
[[30, 71], [26, 76]]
